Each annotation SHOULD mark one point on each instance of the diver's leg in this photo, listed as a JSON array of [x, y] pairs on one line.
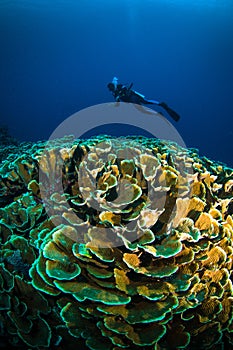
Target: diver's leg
[[150, 102]]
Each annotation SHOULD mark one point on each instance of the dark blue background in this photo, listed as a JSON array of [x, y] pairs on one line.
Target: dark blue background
[[57, 57]]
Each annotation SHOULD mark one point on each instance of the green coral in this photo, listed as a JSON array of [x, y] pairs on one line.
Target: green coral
[[115, 244]]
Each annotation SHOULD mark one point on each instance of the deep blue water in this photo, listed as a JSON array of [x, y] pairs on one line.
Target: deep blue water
[[58, 56]]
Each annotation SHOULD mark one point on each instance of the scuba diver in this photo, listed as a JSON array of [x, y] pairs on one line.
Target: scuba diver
[[125, 93]]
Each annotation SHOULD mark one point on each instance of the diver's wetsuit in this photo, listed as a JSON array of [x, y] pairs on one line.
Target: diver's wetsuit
[[126, 94]]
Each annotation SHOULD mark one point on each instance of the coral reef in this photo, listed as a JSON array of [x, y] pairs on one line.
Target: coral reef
[[122, 243]]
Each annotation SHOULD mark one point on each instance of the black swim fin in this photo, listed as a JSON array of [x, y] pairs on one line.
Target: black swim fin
[[175, 116]]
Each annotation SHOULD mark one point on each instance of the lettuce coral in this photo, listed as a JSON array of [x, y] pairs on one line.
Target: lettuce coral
[[115, 243]]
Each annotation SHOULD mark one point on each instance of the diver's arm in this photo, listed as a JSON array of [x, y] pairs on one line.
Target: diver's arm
[[116, 96]]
